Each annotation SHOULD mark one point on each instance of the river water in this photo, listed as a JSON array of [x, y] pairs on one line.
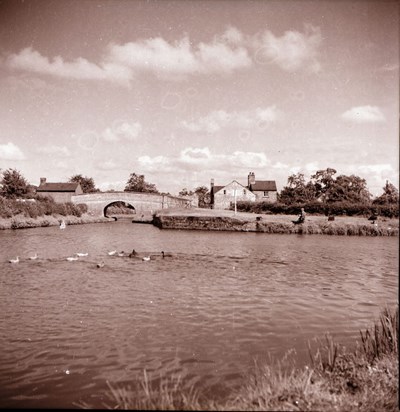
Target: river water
[[206, 313]]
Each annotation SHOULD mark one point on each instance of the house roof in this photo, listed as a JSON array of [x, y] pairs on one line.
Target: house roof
[[216, 189], [261, 185], [57, 187]]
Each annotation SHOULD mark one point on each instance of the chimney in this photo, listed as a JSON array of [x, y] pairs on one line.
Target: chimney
[[251, 179], [212, 183], [42, 181]]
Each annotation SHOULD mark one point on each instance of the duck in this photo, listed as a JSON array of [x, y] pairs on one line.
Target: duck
[[72, 258], [82, 254], [16, 260], [133, 254], [100, 264], [122, 253], [35, 256], [112, 252], [146, 258]]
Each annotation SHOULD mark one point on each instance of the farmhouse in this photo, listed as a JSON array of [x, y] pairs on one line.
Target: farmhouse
[[221, 197], [60, 192]]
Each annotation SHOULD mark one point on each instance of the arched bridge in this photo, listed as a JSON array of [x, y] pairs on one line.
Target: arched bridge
[[97, 203]]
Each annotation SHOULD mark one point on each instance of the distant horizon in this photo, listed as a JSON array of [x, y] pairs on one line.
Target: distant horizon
[[185, 91]]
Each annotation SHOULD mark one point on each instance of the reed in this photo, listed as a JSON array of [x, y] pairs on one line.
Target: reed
[[365, 379]]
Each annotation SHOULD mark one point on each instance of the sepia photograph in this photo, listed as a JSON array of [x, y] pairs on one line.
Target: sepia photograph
[[199, 205]]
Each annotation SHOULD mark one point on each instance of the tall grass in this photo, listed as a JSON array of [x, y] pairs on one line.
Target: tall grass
[[364, 379]]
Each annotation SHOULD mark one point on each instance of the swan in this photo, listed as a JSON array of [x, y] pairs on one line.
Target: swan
[[100, 264], [72, 258], [16, 260], [81, 254], [112, 252], [164, 255], [35, 256]]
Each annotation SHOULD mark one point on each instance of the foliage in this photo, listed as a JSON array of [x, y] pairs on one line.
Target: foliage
[[344, 208], [185, 192], [13, 184], [41, 206], [87, 183], [136, 183], [390, 195], [325, 187], [203, 195]]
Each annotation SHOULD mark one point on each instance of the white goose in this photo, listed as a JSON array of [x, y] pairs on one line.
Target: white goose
[[16, 260]]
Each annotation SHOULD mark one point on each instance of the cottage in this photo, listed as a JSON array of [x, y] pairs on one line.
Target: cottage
[[221, 197], [60, 192]]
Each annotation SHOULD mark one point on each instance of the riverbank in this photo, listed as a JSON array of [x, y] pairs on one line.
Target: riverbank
[[23, 222], [228, 220], [363, 379]]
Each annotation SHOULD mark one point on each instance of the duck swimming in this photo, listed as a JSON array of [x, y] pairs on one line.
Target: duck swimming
[[112, 252], [16, 260], [133, 254], [81, 254], [146, 258], [100, 264], [35, 256], [72, 258]]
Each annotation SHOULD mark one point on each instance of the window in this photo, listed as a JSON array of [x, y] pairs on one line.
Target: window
[[244, 192], [266, 194], [224, 192]]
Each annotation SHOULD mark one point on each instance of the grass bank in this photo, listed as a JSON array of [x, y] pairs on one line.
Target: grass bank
[[363, 379], [207, 219], [23, 222]]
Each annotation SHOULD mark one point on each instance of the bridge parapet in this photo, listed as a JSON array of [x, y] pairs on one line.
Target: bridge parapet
[[143, 202]]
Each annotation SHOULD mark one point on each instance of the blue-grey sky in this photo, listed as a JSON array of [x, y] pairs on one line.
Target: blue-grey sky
[[185, 91]]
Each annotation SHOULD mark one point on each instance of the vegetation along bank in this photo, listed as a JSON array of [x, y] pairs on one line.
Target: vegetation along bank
[[226, 220]]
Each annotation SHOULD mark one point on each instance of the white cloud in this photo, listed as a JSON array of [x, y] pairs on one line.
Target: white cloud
[[10, 151], [225, 54], [219, 119], [292, 51], [364, 114], [31, 60], [107, 165], [122, 131], [54, 150], [160, 57], [200, 159]]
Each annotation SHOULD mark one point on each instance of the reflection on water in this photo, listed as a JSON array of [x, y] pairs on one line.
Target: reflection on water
[[205, 313]]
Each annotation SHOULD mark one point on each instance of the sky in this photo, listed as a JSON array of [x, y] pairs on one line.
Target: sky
[[187, 91]]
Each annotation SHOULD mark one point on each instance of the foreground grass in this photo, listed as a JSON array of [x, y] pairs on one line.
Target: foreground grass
[[364, 379]]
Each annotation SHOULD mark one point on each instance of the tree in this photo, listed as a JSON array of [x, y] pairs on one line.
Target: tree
[[323, 180], [185, 192], [203, 195], [13, 184], [349, 188], [297, 190], [390, 195], [136, 183], [87, 183]]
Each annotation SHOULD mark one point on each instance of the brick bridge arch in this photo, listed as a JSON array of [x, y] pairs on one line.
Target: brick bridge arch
[[142, 202]]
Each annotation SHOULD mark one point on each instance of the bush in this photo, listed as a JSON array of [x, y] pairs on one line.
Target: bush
[[318, 208]]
